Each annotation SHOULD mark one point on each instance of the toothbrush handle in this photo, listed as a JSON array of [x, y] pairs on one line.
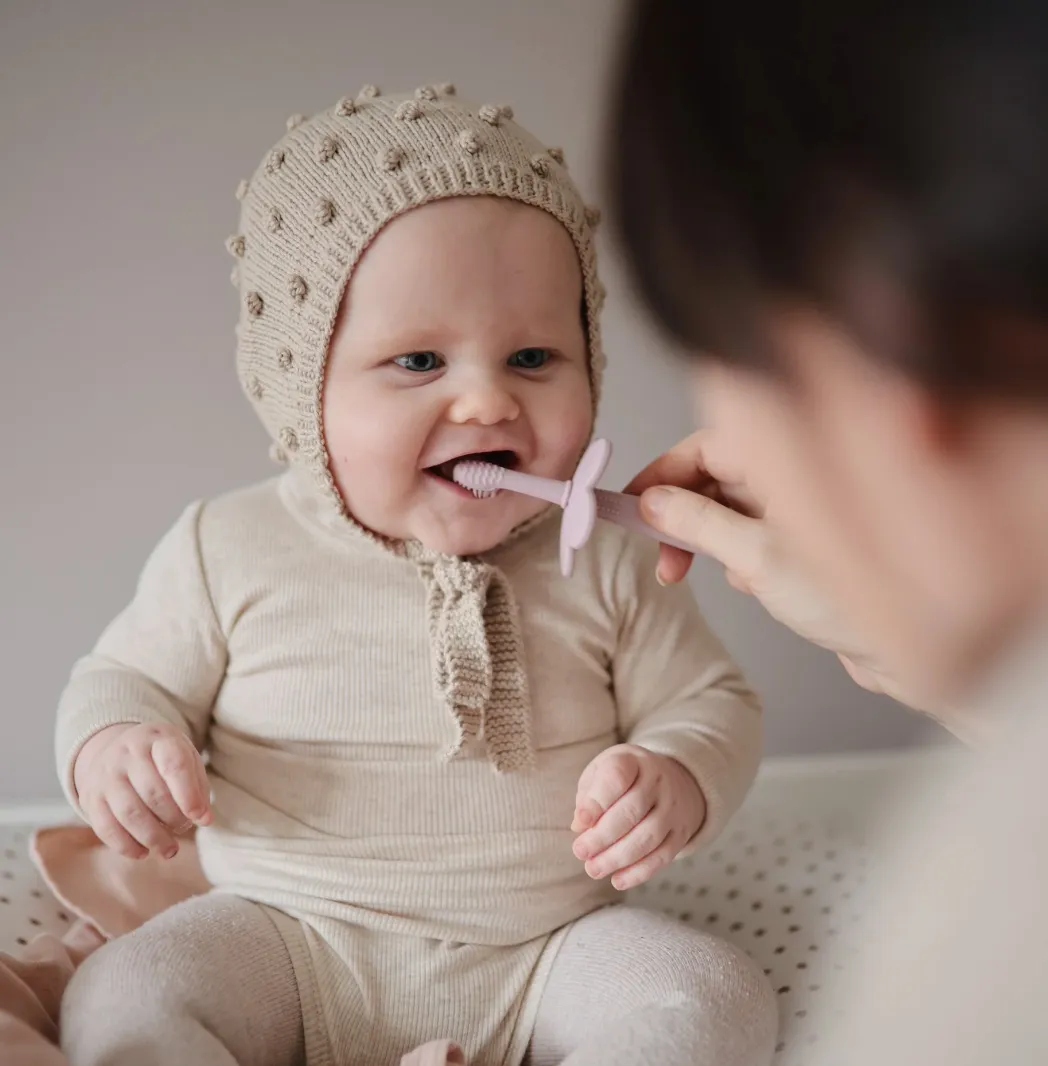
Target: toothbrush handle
[[624, 510], [539, 488]]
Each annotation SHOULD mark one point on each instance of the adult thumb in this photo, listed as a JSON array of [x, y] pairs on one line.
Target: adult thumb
[[710, 527]]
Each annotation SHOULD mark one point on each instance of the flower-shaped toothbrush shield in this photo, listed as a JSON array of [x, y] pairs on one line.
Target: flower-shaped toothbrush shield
[[582, 500], [580, 507]]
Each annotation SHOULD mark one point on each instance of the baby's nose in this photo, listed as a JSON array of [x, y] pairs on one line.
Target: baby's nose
[[484, 402]]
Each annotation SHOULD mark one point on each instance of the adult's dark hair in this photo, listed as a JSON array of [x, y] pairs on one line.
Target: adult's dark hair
[[885, 161]]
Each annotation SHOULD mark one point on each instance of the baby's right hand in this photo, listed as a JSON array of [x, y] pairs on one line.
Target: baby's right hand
[[140, 786]]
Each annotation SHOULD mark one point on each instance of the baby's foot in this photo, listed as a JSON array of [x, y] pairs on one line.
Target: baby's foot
[[435, 1053]]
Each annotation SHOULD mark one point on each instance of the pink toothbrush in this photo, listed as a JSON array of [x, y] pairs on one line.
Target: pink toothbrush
[[582, 501]]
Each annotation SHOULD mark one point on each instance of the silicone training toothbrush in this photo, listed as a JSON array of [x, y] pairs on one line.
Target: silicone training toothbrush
[[582, 501]]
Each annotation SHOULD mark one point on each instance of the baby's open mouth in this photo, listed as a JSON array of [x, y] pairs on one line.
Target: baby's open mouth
[[446, 470]]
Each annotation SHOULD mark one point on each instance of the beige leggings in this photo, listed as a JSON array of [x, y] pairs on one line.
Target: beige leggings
[[627, 986]]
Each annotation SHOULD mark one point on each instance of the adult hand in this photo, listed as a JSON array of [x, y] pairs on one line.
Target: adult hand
[[698, 494]]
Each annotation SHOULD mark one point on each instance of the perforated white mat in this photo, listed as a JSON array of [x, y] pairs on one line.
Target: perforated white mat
[[782, 882]]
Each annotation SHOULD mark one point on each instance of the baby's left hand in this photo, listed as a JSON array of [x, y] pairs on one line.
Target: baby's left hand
[[635, 811]]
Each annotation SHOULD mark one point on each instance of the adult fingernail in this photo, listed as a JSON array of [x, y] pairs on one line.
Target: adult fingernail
[[171, 852], [655, 501], [660, 579]]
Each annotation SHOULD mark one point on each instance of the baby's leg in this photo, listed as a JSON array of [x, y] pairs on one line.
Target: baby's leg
[[207, 983], [630, 987]]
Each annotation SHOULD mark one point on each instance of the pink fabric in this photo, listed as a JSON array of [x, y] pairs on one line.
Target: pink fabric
[[111, 895], [31, 988]]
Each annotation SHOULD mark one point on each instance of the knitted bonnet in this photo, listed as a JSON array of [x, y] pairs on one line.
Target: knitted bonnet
[[308, 213]]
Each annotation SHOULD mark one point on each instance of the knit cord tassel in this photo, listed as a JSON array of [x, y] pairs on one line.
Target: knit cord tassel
[[478, 658]]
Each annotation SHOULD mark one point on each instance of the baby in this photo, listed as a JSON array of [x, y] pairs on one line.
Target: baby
[[431, 760]]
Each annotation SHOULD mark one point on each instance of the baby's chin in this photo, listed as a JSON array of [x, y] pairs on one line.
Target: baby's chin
[[474, 538], [475, 535]]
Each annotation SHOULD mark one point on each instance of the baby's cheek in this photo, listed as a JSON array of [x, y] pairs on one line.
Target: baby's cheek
[[368, 485], [564, 429]]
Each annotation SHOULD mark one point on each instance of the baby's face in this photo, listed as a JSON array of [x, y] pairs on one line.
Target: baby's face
[[460, 333]]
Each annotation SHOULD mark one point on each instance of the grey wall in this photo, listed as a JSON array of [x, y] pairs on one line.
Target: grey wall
[[124, 129]]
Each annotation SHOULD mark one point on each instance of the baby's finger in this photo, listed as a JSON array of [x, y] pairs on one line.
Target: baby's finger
[[625, 813], [132, 813], [111, 832], [147, 782], [586, 812], [182, 769], [637, 844], [615, 772], [644, 870]]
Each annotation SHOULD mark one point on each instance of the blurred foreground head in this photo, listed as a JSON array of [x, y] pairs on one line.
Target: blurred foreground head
[[841, 209]]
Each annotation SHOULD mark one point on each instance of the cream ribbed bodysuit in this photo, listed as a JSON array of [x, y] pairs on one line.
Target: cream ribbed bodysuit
[[419, 894]]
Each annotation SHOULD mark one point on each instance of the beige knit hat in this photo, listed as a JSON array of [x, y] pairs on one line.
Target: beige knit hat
[[324, 192], [308, 213]]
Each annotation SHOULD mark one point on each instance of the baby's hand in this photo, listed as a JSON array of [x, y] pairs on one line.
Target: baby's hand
[[635, 811], [139, 786]]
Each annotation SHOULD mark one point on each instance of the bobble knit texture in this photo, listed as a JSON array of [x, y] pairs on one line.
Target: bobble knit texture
[[314, 204], [325, 191]]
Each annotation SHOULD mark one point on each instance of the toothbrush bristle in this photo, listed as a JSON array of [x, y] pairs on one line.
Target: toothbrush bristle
[[482, 479]]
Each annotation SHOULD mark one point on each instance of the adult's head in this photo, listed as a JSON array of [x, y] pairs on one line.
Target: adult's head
[[840, 210]]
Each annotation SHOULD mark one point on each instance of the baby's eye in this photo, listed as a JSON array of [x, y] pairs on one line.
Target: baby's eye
[[530, 358], [419, 362]]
